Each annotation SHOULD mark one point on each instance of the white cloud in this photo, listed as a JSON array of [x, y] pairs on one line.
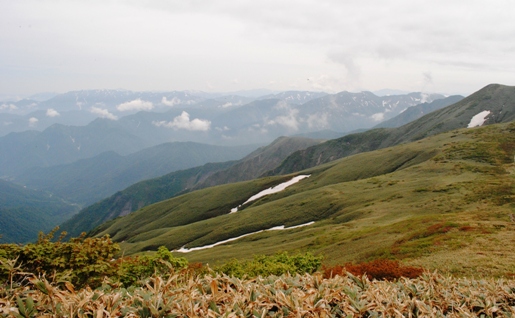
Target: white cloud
[[290, 121], [136, 104], [377, 117], [52, 112], [224, 128], [318, 121], [8, 107], [33, 121], [183, 122], [174, 101], [102, 113]]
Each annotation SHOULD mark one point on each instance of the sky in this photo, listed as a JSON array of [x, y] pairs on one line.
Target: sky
[[451, 46]]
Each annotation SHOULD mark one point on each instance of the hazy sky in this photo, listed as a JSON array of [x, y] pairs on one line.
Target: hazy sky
[[451, 46]]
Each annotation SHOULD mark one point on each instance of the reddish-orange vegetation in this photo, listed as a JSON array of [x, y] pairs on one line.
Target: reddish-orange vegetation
[[380, 269]]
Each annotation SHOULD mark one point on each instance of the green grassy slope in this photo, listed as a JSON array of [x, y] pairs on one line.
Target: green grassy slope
[[158, 189], [424, 202], [498, 99], [415, 112], [139, 195]]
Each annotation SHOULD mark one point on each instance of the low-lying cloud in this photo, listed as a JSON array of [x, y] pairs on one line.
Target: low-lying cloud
[[318, 121], [8, 107], [33, 121], [183, 122], [52, 112], [172, 102], [102, 113], [377, 117], [289, 121], [136, 105]]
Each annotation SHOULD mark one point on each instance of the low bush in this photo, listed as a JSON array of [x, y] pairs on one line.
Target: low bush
[[81, 261], [277, 264], [133, 269], [380, 269]]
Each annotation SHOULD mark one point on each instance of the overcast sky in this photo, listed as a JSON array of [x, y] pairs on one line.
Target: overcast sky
[[451, 46]]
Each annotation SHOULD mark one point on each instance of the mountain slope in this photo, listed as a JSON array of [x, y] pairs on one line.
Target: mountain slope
[[89, 180], [24, 212], [415, 112], [424, 202], [151, 191], [258, 162], [498, 100]]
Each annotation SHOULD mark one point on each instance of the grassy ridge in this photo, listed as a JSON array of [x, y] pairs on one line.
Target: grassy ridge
[[422, 202]]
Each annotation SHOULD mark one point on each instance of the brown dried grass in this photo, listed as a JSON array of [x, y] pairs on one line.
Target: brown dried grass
[[430, 295]]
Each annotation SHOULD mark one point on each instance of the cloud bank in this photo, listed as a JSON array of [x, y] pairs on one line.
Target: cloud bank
[[183, 122], [102, 113], [52, 113], [135, 105], [33, 121]]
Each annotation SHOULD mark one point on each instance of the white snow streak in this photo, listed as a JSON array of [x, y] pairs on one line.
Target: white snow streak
[[271, 190], [275, 228], [479, 119], [277, 188]]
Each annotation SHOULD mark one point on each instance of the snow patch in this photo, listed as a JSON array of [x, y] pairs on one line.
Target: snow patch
[[275, 228], [479, 119], [271, 190]]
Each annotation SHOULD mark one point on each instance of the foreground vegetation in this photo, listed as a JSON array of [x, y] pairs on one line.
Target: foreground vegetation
[[80, 279], [217, 295]]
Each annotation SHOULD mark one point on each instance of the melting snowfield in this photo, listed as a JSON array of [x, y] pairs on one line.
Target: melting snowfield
[[277, 188], [276, 228], [479, 119]]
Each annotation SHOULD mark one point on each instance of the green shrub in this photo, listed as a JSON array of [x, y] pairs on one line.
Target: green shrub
[[277, 264], [81, 260], [133, 269]]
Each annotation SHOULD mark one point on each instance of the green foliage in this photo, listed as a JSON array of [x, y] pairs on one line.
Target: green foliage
[[162, 263], [277, 264], [81, 260]]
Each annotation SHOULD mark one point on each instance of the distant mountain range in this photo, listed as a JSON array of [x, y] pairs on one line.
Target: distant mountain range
[[287, 160], [132, 121], [140, 135], [497, 100], [89, 180]]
